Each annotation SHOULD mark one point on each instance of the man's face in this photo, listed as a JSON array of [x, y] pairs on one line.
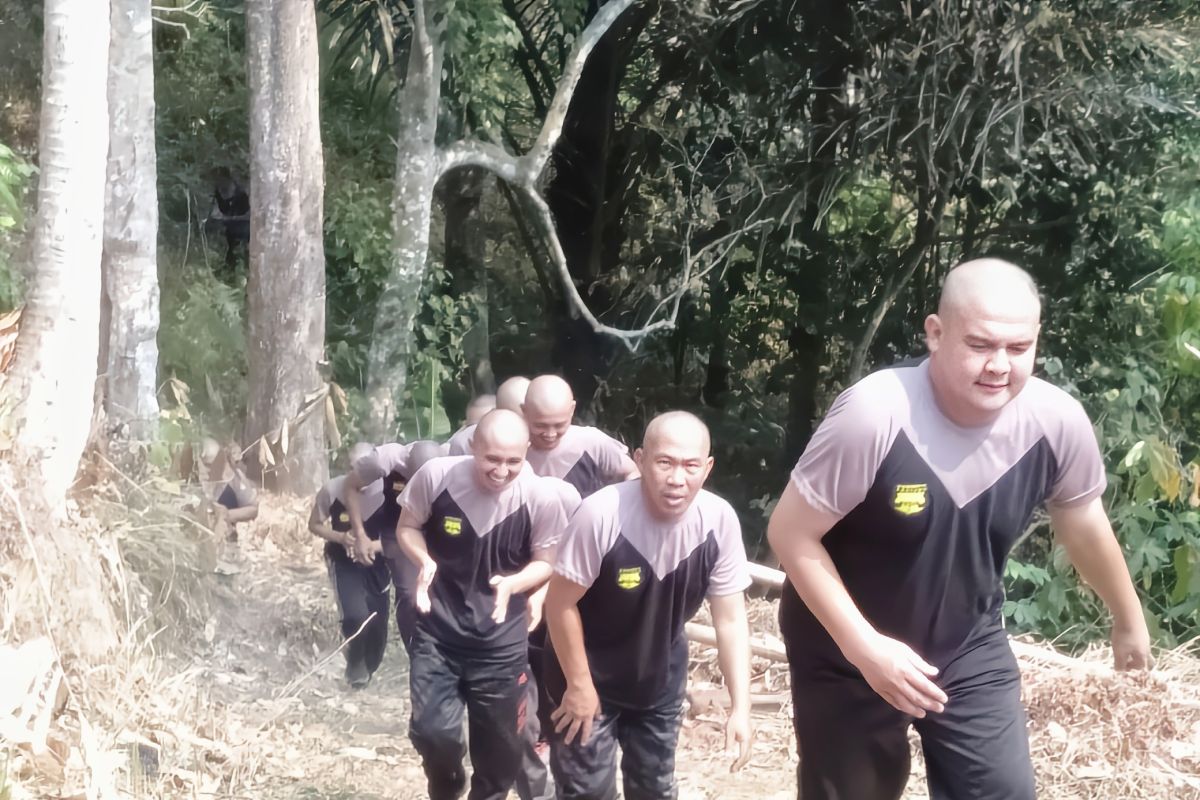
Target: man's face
[[980, 359], [674, 467], [497, 463], [547, 426]]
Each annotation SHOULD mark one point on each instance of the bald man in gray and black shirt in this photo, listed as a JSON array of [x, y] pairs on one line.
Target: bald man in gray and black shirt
[[894, 530]]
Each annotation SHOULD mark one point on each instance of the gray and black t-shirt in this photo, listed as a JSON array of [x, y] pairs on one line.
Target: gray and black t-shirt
[[387, 463], [587, 458], [473, 535], [331, 505], [645, 579], [929, 510]]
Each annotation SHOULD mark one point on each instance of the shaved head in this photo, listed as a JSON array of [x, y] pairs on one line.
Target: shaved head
[[674, 461], [209, 450], [500, 426], [549, 393], [511, 393], [499, 444], [420, 452], [549, 408], [480, 406], [982, 340], [677, 425], [988, 283]]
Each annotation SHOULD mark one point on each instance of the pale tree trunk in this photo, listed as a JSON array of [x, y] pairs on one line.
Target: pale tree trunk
[[130, 359], [419, 164], [286, 287], [417, 171], [47, 400]]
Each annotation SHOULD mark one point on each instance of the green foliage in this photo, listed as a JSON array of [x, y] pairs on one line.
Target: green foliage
[[202, 344], [15, 174]]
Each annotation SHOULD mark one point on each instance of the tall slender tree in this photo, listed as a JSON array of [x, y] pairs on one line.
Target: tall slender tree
[[286, 288], [129, 347], [47, 400]]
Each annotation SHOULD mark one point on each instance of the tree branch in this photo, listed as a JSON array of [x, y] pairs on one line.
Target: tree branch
[[539, 154]]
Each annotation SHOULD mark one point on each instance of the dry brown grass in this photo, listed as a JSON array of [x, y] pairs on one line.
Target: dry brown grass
[[1094, 733], [184, 682]]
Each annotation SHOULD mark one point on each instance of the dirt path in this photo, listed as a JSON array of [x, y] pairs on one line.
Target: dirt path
[[287, 726]]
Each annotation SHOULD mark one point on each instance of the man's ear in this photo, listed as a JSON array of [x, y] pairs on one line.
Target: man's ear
[[933, 332]]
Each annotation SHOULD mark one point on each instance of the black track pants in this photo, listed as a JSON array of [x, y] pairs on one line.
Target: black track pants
[[647, 740], [854, 745], [361, 590], [443, 687]]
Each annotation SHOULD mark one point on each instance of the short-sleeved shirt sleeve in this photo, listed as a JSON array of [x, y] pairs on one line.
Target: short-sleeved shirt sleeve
[[610, 455], [417, 498], [380, 462], [731, 572], [841, 460], [325, 498], [1080, 477], [547, 518], [589, 536]]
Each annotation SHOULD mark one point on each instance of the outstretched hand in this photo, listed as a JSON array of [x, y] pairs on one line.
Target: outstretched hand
[[502, 585]]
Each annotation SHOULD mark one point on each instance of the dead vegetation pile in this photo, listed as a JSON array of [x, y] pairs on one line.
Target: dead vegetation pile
[[160, 661], [1094, 733]]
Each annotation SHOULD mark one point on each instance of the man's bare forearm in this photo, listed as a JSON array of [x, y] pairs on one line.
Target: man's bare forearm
[[733, 648], [412, 544], [812, 572], [566, 634]]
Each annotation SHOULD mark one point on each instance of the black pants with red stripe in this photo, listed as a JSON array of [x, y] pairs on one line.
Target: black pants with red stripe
[[492, 693]]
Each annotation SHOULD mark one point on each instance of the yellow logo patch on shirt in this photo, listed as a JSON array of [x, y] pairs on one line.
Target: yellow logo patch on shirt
[[452, 526], [910, 498], [343, 517], [398, 486], [629, 577]]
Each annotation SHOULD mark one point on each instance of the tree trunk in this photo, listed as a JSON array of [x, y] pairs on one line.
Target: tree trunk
[[48, 395], [130, 354], [465, 246], [582, 195], [417, 170], [286, 286]]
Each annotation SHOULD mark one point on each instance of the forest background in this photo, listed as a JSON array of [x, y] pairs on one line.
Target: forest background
[[787, 183]]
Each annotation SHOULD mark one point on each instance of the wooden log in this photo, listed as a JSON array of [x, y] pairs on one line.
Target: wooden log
[[766, 576], [707, 635]]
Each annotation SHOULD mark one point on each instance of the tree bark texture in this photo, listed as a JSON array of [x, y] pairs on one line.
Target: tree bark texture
[[462, 192], [130, 356], [417, 170], [47, 400], [286, 286]]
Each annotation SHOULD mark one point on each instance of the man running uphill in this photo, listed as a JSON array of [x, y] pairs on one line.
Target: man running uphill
[[483, 531], [894, 530], [636, 562]]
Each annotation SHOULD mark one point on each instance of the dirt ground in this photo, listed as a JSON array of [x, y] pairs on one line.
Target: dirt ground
[[289, 727], [237, 692]]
